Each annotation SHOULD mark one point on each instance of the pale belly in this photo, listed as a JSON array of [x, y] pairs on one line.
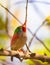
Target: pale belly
[[18, 44]]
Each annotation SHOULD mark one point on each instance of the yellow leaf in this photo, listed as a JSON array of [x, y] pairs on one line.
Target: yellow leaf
[[48, 19]]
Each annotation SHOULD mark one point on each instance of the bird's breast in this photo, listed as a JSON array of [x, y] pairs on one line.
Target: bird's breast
[[19, 43]]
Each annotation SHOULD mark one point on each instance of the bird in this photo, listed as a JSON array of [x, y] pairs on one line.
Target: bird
[[19, 38]]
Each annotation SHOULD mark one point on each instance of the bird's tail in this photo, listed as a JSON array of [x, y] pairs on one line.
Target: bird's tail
[[11, 58]]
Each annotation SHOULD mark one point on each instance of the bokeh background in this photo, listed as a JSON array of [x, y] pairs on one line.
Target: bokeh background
[[38, 10]]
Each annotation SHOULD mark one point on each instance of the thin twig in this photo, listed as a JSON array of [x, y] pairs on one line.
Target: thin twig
[[26, 10], [38, 40], [42, 43], [36, 32], [10, 13]]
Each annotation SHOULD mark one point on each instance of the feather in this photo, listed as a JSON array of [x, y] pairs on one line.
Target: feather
[[15, 36]]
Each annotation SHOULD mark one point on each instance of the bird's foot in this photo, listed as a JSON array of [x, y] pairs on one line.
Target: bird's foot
[[22, 51]]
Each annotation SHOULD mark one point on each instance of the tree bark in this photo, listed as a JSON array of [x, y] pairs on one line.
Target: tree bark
[[19, 54]]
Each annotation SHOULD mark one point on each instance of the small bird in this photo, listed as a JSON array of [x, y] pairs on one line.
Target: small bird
[[19, 38]]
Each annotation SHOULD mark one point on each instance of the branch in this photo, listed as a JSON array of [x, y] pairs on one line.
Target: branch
[[26, 55], [38, 40], [26, 9], [36, 32], [10, 13]]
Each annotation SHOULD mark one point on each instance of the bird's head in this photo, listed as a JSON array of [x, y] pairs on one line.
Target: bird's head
[[20, 29]]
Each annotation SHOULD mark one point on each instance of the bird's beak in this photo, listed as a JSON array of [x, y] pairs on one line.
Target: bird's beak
[[24, 25]]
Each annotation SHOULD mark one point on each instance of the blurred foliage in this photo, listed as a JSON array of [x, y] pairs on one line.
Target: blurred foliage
[[3, 43], [48, 20], [47, 43], [4, 39], [29, 62], [37, 62], [2, 24], [3, 36]]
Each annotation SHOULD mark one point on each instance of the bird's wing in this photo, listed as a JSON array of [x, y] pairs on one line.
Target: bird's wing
[[15, 37]]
